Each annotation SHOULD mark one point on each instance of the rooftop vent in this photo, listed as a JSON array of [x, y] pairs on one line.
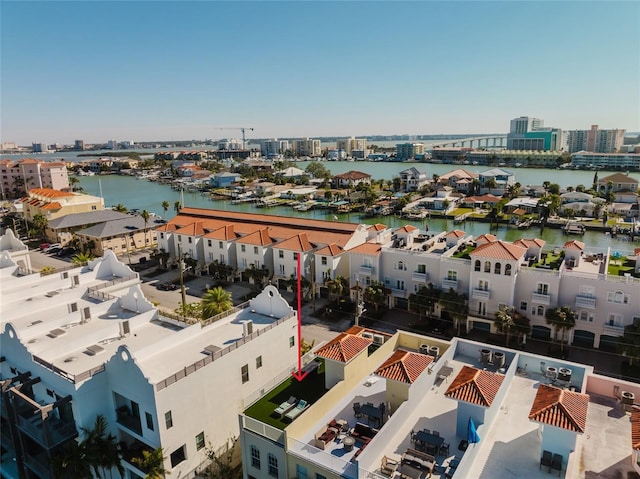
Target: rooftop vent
[[51, 294], [54, 333], [93, 350], [33, 323], [70, 359], [210, 349]]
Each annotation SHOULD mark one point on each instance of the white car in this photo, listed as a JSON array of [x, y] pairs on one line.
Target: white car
[[52, 248]]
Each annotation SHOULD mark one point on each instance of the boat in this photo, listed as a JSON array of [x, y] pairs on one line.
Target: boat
[[573, 228]]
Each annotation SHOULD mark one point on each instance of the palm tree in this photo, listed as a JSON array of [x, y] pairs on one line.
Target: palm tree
[[216, 301], [120, 208], [375, 294], [177, 206], [71, 462], [165, 208], [505, 322], [40, 223], [145, 216], [101, 448], [561, 318], [152, 462], [629, 344], [455, 304], [81, 259], [73, 181]]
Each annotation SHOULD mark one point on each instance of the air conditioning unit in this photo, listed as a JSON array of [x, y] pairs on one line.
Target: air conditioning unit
[[378, 339], [247, 328], [367, 335]]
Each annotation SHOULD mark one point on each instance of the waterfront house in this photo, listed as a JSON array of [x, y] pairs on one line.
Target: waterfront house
[[223, 179], [460, 180], [502, 178], [351, 179], [618, 182], [413, 179]]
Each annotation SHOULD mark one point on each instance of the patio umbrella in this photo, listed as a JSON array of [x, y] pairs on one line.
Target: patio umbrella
[[472, 434]]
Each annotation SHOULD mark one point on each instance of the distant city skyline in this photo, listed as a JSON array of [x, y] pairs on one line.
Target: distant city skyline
[[151, 71]]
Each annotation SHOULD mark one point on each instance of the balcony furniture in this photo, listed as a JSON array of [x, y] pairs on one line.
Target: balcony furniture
[[363, 433], [388, 466], [451, 469], [444, 449], [415, 463], [327, 434], [374, 414], [285, 407], [556, 464], [444, 372], [297, 410], [356, 410], [546, 460], [430, 441], [348, 442]]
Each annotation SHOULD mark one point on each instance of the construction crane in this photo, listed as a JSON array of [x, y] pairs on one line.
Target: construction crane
[[244, 139]]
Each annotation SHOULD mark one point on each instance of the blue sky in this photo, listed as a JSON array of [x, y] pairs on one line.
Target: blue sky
[[178, 70]]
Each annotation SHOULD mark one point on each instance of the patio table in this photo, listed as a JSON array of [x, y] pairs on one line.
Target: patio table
[[430, 439]]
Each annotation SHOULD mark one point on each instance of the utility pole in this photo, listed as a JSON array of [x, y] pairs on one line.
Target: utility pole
[[182, 289]]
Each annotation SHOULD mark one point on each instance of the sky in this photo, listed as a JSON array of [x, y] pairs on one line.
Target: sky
[[162, 70]]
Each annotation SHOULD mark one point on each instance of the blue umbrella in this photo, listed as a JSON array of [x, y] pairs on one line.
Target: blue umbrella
[[472, 434]]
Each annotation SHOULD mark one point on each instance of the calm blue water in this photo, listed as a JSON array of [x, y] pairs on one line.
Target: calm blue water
[[146, 195]]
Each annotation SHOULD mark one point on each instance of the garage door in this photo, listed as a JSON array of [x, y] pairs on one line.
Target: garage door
[[608, 343], [541, 332], [481, 326], [583, 339]]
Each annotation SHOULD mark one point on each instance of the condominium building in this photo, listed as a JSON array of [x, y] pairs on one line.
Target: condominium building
[[85, 341], [409, 151], [274, 148], [22, 175], [409, 405], [595, 140], [530, 134], [306, 147], [351, 144], [54, 204], [582, 159]]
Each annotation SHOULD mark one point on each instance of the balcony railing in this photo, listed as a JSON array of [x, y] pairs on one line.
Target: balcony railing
[[398, 292], [48, 433], [585, 302], [613, 330], [366, 269], [449, 283], [481, 293], [541, 298], [416, 276]]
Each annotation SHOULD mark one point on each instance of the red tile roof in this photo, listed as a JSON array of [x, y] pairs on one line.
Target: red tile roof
[[635, 430], [331, 250], [404, 366], [407, 228], [530, 243], [52, 206], [560, 408], [367, 248], [499, 250], [167, 227], [225, 233], [193, 229], [259, 238], [486, 238], [346, 346], [574, 244], [456, 233], [353, 175], [378, 227], [475, 386], [298, 242], [49, 192]]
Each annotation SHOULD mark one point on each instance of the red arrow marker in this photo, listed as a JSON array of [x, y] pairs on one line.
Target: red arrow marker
[[299, 375]]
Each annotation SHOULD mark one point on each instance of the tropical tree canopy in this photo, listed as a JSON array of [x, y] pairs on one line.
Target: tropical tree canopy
[[561, 319], [152, 462], [216, 301]]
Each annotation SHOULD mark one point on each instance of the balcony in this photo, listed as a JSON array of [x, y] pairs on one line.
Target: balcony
[[366, 269], [588, 302], [449, 284], [416, 276], [49, 432], [481, 293], [541, 298], [613, 330], [39, 464], [128, 420], [398, 292]]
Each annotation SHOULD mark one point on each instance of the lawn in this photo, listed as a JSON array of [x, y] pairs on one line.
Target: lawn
[[552, 260], [460, 211], [311, 388], [465, 253], [618, 267]]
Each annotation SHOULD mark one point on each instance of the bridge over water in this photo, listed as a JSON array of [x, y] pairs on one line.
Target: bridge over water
[[488, 141]]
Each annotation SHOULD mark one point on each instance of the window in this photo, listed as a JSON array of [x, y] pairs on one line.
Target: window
[[280, 254], [400, 285], [523, 305], [178, 456], [244, 262], [179, 239], [295, 256], [487, 266], [507, 270], [273, 465], [255, 457], [161, 235], [245, 373], [282, 269], [301, 472], [482, 308], [292, 342], [614, 320], [542, 288], [617, 297], [452, 275], [209, 243], [540, 310], [200, 441], [584, 315], [258, 362], [168, 420], [483, 285], [149, 419], [588, 291], [220, 244], [422, 268], [320, 476], [243, 248], [73, 307], [477, 265], [497, 269], [400, 266], [323, 260], [255, 250]]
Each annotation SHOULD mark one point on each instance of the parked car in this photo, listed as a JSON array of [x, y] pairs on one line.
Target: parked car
[[44, 246], [52, 248], [64, 252], [167, 286]]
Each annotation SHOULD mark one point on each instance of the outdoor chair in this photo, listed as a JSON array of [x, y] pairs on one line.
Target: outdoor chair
[[285, 407], [444, 449], [356, 410], [556, 463], [436, 433], [546, 460], [296, 411], [388, 466]]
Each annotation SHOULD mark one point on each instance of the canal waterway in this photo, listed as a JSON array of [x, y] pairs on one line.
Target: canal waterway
[[146, 195]]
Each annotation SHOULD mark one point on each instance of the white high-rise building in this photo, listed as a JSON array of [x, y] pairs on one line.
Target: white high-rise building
[[274, 148], [306, 147], [525, 124], [595, 140], [351, 144]]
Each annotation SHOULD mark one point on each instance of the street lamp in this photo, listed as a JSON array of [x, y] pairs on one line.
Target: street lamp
[[181, 268]]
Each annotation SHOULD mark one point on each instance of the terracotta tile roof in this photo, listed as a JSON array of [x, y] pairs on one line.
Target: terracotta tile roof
[[226, 233], [50, 192], [530, 243], [519, 211], [404, 366], [367, 248], [167, 227], [485, 238], [331, 250], [299, 242], [499, 250], [193, 229], [475, 386], [28, 161], [344, 347], [560, 408], [459, 173], [574, 244], [635, 430], [378, 227], [456, 233], [488, 198], [259, 238], [407, 228], [636, 252], [353, 175], [52, 206]]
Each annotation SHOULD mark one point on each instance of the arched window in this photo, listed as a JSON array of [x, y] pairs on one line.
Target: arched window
[[540, 311], [487, 266], [497, 269], [477, 267], [507, 270]]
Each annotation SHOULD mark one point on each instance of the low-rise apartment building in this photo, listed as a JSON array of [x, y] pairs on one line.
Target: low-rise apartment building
[[53, 204], [18, 177]]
